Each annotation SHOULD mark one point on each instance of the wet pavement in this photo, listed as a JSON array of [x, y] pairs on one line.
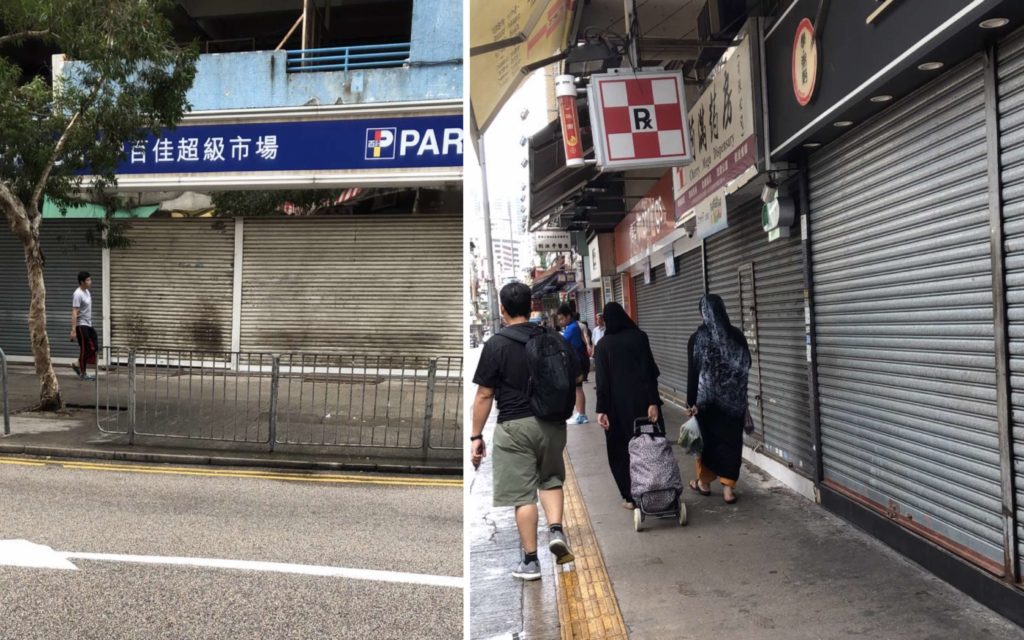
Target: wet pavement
[[502, 606], [775, 566]]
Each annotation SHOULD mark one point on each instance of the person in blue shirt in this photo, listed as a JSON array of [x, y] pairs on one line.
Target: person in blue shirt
[[573, 334]]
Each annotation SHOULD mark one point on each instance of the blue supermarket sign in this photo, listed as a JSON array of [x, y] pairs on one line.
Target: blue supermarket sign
[[321, 145]]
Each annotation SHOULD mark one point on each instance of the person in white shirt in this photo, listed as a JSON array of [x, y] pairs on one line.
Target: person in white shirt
[[598, 332], [81, 327]]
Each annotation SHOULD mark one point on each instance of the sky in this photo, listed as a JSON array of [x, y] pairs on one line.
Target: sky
[[505, 155]]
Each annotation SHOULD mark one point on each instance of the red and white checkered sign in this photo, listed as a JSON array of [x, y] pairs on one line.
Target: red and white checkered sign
[[639, 119]]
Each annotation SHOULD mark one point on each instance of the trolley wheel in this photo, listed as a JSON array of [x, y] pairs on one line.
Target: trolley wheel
[[683, 519], [638, 519]]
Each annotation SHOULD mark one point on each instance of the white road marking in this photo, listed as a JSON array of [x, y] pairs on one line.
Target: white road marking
[[280, 567], [22, 553]]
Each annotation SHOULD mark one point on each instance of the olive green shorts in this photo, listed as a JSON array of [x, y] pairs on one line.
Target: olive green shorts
[[527, 457]]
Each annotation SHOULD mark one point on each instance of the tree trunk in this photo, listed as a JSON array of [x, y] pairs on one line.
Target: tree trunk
[[49, 389], [24, 223]]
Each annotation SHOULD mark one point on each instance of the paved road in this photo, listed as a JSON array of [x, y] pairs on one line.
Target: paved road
[[405, 524]]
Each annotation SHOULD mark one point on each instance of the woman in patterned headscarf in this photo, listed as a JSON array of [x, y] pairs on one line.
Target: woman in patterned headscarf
[[717, 395]]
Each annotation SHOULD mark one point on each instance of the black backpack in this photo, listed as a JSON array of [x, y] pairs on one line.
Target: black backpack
[[553, 371]]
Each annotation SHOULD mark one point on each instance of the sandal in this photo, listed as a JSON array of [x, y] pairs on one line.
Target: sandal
[[696, 487], [734, 499]]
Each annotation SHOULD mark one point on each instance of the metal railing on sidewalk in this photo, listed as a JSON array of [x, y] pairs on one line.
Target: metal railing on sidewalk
[[319, 400], [3, 393]]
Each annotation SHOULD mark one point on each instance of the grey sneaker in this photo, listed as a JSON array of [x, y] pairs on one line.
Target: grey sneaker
[[560, 547], [527, 570], [88, 378]]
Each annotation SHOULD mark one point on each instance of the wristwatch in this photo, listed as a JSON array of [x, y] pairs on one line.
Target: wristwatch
[[479, 437]]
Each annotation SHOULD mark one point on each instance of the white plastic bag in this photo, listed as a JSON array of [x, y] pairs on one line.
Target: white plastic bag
[[689, 437]]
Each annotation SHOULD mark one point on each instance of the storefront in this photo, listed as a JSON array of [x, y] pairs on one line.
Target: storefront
[[910, 138]]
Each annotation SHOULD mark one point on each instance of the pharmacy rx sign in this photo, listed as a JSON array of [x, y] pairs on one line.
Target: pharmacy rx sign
[[639, 119]]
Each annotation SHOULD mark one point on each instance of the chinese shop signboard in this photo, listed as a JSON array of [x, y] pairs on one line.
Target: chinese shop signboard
[[725, 144]]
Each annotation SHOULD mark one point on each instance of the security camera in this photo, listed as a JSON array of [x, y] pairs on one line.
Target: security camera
[[769, 191]]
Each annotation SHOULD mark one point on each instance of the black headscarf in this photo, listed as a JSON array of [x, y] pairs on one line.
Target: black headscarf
[[616, 319], [724, 358]]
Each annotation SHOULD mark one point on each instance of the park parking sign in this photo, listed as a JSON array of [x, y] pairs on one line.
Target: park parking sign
[[639, 119]]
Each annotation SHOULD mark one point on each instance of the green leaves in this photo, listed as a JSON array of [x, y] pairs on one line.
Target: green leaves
[[125, 77]]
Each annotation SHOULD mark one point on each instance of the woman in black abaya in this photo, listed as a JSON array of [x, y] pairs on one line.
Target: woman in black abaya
[[627, 389], [717, 394]]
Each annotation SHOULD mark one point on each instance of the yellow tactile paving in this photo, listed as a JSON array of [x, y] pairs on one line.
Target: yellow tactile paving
[[587, 608]]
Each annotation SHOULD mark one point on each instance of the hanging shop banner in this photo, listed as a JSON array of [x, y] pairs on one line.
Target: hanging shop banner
[[546, 241], [594, 252], [711, 215], [639, 119], [722, 125], [391, 143], [670, 263], [572, 140], [650, 220]]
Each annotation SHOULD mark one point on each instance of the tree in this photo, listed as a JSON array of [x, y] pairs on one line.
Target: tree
[[131, 82]]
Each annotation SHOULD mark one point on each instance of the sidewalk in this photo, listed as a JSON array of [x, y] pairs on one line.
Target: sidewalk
[[74, 434], [775, 566]]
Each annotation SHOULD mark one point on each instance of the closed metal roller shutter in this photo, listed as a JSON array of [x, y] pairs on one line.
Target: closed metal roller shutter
[[667, 310], [617, 289], [171, 289], [388, 285], [762, 285], [68, 250], [903, 306], [586, 307], [1011, 128]]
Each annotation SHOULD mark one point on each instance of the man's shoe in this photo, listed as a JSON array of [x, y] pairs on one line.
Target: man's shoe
[[78, 372], [527, 570], [560, 548], [581, 418], [88, 378]]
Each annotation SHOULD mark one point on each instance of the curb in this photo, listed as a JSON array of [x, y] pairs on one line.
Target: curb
[[223, 461]]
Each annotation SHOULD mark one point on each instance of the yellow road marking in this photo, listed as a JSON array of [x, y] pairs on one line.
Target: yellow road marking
[[587, 607], [242, 473], [26, 463]]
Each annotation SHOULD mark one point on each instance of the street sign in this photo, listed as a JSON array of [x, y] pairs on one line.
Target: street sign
[[639, 119], [552, 241]]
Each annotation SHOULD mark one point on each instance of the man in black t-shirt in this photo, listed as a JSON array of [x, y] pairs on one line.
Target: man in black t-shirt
[[527, 451]]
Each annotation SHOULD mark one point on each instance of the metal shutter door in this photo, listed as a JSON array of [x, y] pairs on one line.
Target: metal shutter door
[[1011, 128], [171, 289], [617, 289], [354, 285], [68, 250], [772, 276], [667, 310], [586, 307], [903, 305]]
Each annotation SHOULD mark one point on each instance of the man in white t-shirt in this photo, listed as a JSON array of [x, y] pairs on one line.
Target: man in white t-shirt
[[81, 327], [598, 332]]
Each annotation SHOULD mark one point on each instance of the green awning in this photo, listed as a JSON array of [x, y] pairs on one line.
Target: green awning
[[88, 210]]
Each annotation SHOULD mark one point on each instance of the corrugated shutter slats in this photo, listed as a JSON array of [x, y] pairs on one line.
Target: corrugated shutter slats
[[667, 310], [354, 285], [171, 289], [1011, 129], [903, 309], [772, 275], [68, 250]]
